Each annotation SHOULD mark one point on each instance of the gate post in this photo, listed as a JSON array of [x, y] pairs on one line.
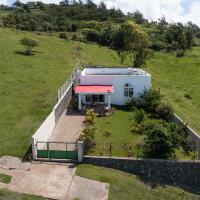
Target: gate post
[[80, 151], [34, 148]]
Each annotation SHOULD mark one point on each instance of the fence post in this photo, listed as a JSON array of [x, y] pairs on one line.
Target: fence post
[[80, 151]]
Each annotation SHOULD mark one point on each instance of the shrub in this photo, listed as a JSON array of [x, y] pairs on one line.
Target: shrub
[[158, 45], [164, 111], [187, 96], [91, 35], [139, 116], [157, 144], [131, 104], [180, 53], [88, 136], [90, 117], [150, 99], [63, 35], [74, 37]]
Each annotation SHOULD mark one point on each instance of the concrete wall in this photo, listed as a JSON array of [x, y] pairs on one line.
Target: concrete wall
[[183, 173], [139, 83], [63, 103], [193, 135]]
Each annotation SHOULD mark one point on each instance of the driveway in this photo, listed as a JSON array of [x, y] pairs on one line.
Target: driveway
[[50, 180], [68, 128]]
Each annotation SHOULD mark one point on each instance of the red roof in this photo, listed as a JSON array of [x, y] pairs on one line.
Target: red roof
[[94, 89]]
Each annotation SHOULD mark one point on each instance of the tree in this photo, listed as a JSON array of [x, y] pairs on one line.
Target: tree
[[134, 41], [29, 45], [138, 17]]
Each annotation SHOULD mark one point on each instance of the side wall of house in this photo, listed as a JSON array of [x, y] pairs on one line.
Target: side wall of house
[[139, 83]]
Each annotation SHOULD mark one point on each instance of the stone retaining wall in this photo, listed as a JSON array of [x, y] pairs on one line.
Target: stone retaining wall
[[185, 174]]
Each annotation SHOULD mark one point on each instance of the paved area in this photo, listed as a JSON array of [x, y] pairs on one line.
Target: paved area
[[86, 189], [68, 128], [50, 180]]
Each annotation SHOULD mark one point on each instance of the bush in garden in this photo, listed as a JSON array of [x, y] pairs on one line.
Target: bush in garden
[[63, 36], [90, 117], [139, 116], [157, 144], [132, 103], [150, 99], [88, 136], [178, 134], [164, 111]]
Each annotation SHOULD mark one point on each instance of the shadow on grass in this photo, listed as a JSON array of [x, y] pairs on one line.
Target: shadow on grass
[[23, 53]]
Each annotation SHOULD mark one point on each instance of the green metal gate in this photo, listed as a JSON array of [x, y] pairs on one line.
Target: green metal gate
[[57, 150]]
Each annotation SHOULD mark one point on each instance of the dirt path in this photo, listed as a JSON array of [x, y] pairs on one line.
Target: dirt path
[[68, 128]]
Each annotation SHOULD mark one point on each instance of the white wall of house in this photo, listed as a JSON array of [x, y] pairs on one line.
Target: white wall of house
[[139, 80]]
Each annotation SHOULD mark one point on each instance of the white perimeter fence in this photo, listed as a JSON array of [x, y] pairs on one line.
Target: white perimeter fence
[[44, 132]]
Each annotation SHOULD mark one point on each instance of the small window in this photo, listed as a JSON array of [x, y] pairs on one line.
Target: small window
[[128, 92]]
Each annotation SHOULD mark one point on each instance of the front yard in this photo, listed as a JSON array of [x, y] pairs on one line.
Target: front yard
[[116, 136]]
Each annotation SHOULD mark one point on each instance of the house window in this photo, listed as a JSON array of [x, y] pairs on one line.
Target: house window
[[128, 91], [95, 98]]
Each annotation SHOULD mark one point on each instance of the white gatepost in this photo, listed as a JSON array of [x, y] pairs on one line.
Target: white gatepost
[[80, 151], [34, 148], [79, 102], [109, 101]]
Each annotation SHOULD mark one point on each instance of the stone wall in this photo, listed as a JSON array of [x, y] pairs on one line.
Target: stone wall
[[192, 134], [185, 174], [63, 103]]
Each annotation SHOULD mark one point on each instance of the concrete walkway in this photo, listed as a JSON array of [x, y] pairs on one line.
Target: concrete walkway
[[50, 180], [68, 128]]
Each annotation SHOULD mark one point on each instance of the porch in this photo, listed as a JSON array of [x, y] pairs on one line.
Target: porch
[[97, 97]]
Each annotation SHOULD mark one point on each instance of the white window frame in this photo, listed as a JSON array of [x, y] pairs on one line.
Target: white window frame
[[129, 91]]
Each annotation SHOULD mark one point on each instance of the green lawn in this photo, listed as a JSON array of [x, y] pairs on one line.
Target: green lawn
[[8, 195], [116, 130], [125, 186], [5, 178], [119, 127]]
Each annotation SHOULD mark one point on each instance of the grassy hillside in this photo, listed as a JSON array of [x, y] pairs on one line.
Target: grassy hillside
[[178, 79], [125, 186], [28, 84]]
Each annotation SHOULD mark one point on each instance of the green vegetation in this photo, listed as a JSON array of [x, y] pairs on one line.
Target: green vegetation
[[29, 84], [8, 195], [125, 186], [178, 78], [121, 135], [5, 178]]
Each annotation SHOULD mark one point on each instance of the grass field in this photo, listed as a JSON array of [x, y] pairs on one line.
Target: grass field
[[125, 186], [8, 195], [28, 84], [177, 78]]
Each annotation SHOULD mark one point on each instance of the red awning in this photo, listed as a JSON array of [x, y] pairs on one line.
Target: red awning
[[94, 89]]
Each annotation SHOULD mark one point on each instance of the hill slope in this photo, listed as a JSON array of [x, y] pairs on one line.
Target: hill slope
[[28, 84]]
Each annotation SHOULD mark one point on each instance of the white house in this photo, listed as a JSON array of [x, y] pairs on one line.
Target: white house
[[111, 85]]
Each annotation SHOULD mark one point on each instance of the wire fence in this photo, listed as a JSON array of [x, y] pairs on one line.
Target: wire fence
[[72, 79], [140, 150]]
